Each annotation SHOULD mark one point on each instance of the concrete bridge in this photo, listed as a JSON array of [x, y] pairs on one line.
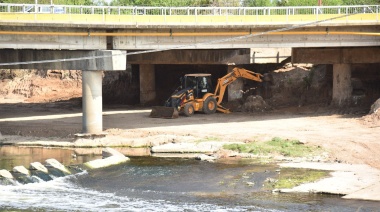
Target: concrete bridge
[[97, 38]]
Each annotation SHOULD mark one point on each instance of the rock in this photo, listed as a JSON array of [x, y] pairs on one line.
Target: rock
[[204, 157], [250, 184], [375, 107]]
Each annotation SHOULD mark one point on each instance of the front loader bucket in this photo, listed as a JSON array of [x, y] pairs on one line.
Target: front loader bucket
[[164, 112]]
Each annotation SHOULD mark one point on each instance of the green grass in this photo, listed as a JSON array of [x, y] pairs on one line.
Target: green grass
[[290, 177], [285, 147]]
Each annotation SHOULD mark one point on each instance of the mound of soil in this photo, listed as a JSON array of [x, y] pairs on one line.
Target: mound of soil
[[38, 86], [255, 104], [373, 118]]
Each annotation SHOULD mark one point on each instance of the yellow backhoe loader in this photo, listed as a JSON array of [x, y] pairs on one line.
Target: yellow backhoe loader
[[195, 94]]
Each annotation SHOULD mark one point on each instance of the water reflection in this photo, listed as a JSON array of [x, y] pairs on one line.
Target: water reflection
[[11, 156]]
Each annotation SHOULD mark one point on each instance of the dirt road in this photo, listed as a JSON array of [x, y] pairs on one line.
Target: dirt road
[[347, 138]]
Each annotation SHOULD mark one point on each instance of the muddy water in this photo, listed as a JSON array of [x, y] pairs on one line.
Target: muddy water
[[167, 184]]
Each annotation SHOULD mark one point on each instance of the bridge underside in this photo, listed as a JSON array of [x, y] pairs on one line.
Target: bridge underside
[[341, 59], [150, 77], [92, 121]]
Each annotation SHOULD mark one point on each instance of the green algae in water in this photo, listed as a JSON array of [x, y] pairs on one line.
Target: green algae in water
[[286, 147], [292, 177]]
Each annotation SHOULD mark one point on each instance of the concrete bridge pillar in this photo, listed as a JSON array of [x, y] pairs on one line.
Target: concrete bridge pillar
[[92, 102], [342, 89], [147, 83], [235, 88]]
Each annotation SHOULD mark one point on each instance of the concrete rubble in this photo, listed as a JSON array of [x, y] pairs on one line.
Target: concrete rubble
[[20, 174]]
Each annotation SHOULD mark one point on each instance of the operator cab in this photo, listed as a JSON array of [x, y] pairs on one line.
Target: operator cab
[[200, 83]]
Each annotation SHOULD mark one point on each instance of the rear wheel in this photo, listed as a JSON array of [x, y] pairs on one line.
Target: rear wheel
[[188, 110], [209, 106]]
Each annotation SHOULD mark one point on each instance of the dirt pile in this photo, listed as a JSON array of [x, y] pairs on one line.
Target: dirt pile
[[373, 118], [39, 86], [298, 85], [255, 104]]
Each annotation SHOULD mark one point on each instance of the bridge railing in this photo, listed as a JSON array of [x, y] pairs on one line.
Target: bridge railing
[[216, 14], [131, 10]]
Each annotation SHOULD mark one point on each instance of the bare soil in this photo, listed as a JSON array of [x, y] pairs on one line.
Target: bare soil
[[38, 108], [346, 138]]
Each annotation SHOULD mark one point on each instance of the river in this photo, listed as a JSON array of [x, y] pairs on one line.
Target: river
[[164, 184]]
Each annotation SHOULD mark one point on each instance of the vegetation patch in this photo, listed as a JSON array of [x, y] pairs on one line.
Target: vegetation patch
[[290, 177], [285, 147]]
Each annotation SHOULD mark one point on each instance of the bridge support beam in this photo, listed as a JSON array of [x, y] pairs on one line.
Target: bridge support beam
[[235, 88], [92, 118], [342, 88], [147, 83]]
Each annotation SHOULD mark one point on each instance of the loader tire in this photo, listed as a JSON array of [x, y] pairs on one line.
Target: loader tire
[[209, 106], [188, 110]]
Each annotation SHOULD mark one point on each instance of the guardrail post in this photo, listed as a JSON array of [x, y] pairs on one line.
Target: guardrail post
[[257, 15], [103, 14], [227, 16], [287, 15], [317, 14], [196, 14]]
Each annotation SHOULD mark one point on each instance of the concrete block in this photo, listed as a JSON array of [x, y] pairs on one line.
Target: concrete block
[[101, 163], [6, 174], [21, 169], [55, 164], [38, 166]]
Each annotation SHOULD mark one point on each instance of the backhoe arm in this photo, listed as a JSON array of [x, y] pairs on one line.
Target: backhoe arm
[[230, 78]]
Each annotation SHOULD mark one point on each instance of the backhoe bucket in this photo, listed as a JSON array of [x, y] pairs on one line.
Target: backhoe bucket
[[164, 112]]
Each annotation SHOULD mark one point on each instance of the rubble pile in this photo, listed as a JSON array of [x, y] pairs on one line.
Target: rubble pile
[[373, 116], [255, 103]]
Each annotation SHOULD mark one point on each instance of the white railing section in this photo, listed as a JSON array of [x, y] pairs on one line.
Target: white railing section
[[197, 11]]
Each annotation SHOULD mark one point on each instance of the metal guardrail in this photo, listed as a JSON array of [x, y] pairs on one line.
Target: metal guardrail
[[197, 11]]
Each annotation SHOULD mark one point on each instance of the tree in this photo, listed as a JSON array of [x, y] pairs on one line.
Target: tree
[[257, 3], [361, 2]]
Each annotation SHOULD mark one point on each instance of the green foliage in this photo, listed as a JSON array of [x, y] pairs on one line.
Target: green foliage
[[257, 3], [286, 147], [361, 2], [56, 2], [161, 3], [308, 2]]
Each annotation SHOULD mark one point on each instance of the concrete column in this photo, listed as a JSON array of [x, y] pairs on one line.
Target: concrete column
[[92, 102], [235, 88], [147, 83], [342, 89]]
